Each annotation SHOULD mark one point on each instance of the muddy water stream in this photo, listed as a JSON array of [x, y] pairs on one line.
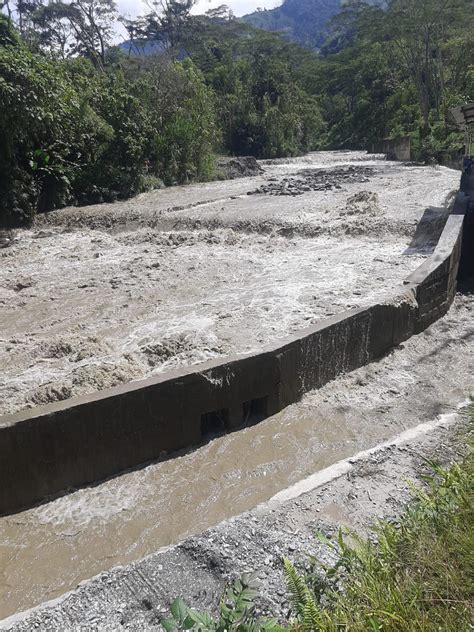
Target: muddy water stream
[[47, 550]]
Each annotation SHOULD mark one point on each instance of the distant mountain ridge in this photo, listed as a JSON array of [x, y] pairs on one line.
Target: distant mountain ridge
[[302, 21], [145, 48]]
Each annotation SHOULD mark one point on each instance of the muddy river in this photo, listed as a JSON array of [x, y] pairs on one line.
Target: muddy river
[[97, 296], [102, 295]]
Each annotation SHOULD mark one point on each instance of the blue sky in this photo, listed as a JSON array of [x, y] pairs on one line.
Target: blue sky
[[240, 7]]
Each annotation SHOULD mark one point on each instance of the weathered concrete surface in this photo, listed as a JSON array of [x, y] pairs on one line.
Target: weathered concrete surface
[[85, 439], [452, 159], [464, 205], [435, 281], [238, 167], [395, 148], [79, 441]]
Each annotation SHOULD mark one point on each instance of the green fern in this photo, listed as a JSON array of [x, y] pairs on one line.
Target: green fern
[[301, 599], [296, 587], [312, 617]]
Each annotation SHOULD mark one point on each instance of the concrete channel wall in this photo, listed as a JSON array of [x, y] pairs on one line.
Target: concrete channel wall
[[50, 449], [394, 148]]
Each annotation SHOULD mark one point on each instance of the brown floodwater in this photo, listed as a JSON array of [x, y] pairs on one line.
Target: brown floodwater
[[48, 550]]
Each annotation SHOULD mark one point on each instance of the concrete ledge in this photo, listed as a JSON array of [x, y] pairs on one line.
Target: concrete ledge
[[49, 449], [434, 282]]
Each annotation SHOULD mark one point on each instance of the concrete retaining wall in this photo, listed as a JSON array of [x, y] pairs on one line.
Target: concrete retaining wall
[[49, 449], [464, 205], [451, 159], [394, 148]]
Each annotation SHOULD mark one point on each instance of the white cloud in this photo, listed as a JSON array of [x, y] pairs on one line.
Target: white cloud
[[240, 7]]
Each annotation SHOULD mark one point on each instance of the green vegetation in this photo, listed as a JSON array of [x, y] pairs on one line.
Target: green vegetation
[[236, 612], [396, 71], [70, 133], [418, 575], [415, 574], [84, 121], [265, 112]]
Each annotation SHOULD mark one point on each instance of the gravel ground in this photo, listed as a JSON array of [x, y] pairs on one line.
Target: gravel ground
[[102, 295]]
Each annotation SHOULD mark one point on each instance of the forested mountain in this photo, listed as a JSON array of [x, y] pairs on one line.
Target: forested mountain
[[303, 21], [83, 121]]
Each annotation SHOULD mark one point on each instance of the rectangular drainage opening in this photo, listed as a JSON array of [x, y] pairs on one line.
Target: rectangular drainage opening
[[254, 411], [214, 423]]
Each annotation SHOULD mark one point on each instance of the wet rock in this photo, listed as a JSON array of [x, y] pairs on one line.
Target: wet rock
[[238, 167], [309, 180]]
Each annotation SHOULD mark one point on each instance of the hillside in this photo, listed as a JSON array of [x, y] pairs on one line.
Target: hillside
[[303, 21]]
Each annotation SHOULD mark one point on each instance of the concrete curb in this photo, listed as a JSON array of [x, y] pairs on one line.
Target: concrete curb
[[49, 449]]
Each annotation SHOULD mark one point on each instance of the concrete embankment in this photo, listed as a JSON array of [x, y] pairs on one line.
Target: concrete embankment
[[49, 449]]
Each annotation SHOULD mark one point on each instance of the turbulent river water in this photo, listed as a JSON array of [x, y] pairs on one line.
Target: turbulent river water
[[287, 260]]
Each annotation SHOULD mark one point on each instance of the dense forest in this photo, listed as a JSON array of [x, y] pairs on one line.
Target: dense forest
[[83, 120]]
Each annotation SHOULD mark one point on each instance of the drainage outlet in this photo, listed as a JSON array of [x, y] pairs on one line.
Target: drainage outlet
[[254, 411], [214, 423]]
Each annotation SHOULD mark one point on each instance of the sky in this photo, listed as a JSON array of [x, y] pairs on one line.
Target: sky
[[239, 7]]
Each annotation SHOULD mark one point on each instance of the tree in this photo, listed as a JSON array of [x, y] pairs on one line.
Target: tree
[[220, 13], [182, 115], [169, 20], [5, 4], [418, 30], [80, 27], [92, 22], [137, 31], [39, 119], [54, 31], [22, 12]]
